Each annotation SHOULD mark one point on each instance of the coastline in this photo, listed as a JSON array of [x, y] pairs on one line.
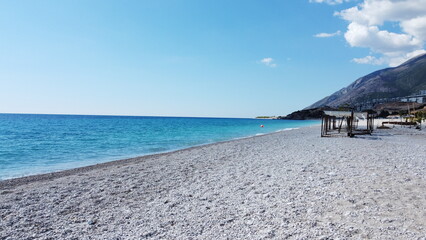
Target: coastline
[[71, 143], [13, 182], [291, 184]]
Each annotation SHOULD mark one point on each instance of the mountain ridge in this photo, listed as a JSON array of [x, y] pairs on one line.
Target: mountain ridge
[[400, 81]]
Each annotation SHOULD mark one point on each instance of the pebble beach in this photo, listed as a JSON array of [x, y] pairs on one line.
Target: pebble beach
[[285, 185]]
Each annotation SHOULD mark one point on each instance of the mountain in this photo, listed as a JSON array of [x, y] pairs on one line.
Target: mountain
[[400, 81]]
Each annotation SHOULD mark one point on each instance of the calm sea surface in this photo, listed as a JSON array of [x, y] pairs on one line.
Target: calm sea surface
[[32, 144]]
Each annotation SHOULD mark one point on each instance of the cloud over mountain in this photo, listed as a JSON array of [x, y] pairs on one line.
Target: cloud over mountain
[[391, 45]]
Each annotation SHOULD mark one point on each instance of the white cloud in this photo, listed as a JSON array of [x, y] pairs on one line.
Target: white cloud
[[397, 59], [369, 60], [327, 35], [330, 2], [380, 41], [376, 12], [268, 62], [416, 27], [365, 29], [390, 59]]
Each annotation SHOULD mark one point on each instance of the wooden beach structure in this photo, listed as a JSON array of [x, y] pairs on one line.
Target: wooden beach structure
[[345, 123], [400, 123]]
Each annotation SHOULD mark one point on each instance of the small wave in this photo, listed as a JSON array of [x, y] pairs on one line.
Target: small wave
[[286, 129], [249, 136]]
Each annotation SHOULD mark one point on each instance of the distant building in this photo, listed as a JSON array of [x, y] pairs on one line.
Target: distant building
[[418, 98]]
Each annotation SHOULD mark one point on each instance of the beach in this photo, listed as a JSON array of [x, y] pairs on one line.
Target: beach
[[285, 185]]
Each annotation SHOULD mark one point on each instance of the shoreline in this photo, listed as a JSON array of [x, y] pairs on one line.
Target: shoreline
[[17, 181]]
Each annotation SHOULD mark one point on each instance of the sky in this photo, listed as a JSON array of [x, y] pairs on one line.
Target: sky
[[221, 58]]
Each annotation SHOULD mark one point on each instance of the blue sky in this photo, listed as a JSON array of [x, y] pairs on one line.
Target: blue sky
[[193, 58]]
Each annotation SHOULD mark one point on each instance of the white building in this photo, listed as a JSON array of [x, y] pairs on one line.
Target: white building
[[418, 98]]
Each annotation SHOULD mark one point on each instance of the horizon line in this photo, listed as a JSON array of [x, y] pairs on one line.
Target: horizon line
[[118, 115]]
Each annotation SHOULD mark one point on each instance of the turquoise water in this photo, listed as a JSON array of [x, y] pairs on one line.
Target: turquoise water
[[32, 144]]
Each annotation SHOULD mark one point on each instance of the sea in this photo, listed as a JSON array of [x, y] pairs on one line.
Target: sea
[[36, 143]]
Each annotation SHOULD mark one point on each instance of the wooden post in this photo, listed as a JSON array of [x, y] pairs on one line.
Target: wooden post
[[352, 124]]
